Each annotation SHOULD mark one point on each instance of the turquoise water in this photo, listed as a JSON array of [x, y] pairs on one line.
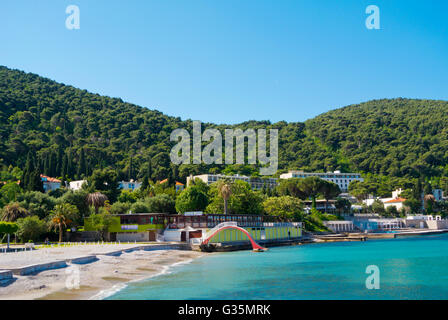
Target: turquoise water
[[410, 268]]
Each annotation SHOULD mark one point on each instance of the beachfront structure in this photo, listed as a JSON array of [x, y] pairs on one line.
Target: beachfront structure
[[340, 226], [256, 183], [194, 228], [343, 180], [49, 183], [378, 225], [129, 185], [76, 185]]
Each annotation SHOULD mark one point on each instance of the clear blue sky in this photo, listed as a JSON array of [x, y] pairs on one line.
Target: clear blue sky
[[229, 61]]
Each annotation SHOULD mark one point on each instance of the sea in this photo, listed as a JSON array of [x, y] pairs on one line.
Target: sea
[[403, 268]]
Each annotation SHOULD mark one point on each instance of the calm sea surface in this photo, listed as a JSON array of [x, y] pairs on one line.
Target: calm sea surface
[[410, 268]]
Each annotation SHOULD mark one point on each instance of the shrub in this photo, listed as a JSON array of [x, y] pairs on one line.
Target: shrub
[[31, 228]]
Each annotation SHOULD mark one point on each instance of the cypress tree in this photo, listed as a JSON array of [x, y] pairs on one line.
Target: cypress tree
[[130, 172], [81, 165], [46, 164], [52, 167], [59, 163], [64, 168]]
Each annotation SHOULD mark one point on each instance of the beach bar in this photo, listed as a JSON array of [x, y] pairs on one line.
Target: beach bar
[[193, 228]]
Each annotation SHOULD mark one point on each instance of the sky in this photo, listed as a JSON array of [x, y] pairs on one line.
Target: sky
[[229, 61]]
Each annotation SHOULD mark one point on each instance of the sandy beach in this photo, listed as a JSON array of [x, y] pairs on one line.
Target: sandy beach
[[93, 280]]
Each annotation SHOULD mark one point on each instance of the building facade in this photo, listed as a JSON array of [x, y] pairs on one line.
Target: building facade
[[76, 185], [256, 183], [129, 185], [343, 180], [49, 183]]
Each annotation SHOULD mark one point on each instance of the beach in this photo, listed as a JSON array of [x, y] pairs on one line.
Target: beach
[[91, 271]]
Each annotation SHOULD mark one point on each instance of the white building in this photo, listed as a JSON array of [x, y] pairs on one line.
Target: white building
[[76, 185], [340, 226], [255, 182], [343, 180]]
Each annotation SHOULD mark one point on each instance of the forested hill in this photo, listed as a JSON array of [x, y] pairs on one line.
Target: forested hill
[[71, 132]]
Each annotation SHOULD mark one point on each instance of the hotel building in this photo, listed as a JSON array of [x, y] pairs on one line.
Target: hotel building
[[343, 180], [256, 183]]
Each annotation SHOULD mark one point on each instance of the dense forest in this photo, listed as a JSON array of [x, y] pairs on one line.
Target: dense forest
[[72, 132]]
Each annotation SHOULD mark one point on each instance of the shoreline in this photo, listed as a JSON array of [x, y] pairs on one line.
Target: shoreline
[[94, 280], [112, 270]]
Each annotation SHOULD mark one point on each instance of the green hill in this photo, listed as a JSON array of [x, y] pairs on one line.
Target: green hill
[[72, 132]]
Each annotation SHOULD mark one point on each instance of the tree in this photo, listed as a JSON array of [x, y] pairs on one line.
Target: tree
[[429, 203], [77, 198], [378, 207], [392, 211], [120, 208], [37, 203], [343, 205], [106, 182], [13, 211], [8, 228], [291, 187], [359, 190], [10, 191], [286, 207], [81, 164], [140, 207], [127, 196], [61, 217], [30, 228], [225, 191], [329, 190], [96, 200], [311, 187], [161, 203], [101, 222], [193, 198]]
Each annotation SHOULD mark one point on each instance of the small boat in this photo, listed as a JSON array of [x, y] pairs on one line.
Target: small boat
[[260, 249]]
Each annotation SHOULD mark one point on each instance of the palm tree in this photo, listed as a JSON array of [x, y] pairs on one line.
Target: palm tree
[[96, 200], [13, 211], [62, 216], [225, 191], [429, 202]]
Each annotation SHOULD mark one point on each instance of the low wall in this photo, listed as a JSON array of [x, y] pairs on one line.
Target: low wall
[[437, 224], [23, 271], [83, 260], [5, 275]]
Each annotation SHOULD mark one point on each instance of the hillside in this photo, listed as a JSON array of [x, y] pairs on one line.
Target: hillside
[[72, 132]]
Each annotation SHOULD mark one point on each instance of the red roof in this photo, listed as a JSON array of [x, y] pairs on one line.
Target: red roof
[[179, 183], [49, 179], [163, 181], [397, 200]]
